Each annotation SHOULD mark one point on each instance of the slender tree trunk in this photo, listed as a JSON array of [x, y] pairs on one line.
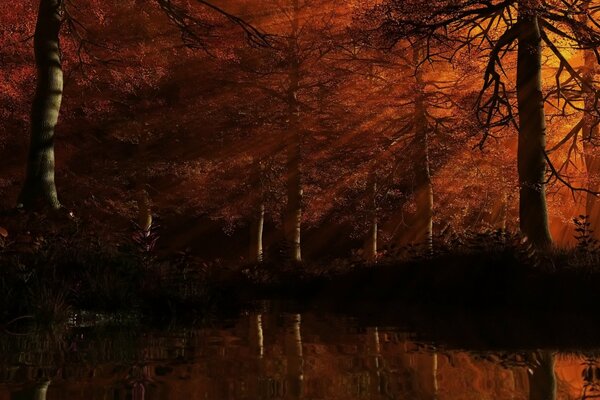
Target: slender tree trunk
[[542, 379], [144, 218], [256, 235], [424, 187], [502, 218], [370, 250], [533, 211], [257, 224], [293, 215], [293, 218], [590, 135], [39, 189]]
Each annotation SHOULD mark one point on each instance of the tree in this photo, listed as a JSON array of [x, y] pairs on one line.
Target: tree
[[583, 99], [293, 77], [424, 187], [258, 221], [531, 156], [494, 28], [292, 221], [39, 189], [39, 186]]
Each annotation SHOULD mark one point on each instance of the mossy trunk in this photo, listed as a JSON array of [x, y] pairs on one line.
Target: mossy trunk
[[531, 163], [424, 187], [39, 189]]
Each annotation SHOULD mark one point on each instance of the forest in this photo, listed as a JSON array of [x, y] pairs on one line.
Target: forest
[[187, 150], [286, 199]]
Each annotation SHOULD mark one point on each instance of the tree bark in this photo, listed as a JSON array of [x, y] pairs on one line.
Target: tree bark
[[256, 235], [531, 163], [39, 189], [144, 219], [256, 251], [424, 187], [370, 250], [293, 218], [293, 215]]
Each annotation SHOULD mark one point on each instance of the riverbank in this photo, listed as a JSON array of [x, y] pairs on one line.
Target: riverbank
[[49, 280]]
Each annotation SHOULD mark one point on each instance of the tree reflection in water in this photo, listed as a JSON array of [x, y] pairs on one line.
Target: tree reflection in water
[[280, 356], [542, 377], [38, 391], [293, 354]]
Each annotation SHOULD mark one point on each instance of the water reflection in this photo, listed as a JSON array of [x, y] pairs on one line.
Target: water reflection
[[280, 356], [293, 355], [36, 392], [542, 377]]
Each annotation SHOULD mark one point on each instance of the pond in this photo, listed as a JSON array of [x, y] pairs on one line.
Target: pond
[[277, 354]]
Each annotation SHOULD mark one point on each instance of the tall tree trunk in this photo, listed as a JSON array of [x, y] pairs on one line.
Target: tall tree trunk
[[370, 250], [258, 221], [590, 136], [256, 235], [531, 163], [39, 189], [542, 379], [424, 187], [293, 215]]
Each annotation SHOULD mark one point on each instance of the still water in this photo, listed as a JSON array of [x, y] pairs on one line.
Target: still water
[[279, 355]]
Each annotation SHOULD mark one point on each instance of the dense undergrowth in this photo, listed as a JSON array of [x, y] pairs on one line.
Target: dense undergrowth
[[49, 276]]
